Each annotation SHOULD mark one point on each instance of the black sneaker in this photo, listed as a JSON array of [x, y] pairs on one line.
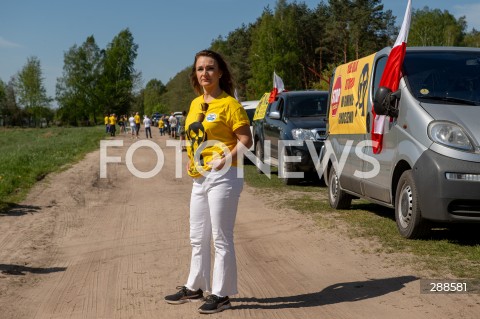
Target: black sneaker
[[184, 295], [214, 303]]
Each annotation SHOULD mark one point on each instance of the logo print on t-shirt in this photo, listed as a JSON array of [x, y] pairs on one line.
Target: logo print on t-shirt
[[211, 117], [196, 135]]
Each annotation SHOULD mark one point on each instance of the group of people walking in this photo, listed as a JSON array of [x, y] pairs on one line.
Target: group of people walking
[[172, 125]]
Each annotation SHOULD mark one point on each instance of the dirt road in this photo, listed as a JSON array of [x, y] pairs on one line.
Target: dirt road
[[84, 247]]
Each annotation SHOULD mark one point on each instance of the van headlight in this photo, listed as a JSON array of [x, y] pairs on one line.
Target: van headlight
[[303, 134], [449, 134]]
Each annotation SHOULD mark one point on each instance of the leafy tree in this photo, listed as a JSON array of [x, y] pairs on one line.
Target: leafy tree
[[11, 113], [281, 43], [323, 49], [472, 39], [119, 76], [235, 49], [435, 28], [78, 91], [179, 92], [31, 91], [152, 97], [3, 100], [338, 30], [371, 27], [262, 53]]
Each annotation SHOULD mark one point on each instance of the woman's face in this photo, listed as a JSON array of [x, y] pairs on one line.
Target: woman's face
[[208, 72]]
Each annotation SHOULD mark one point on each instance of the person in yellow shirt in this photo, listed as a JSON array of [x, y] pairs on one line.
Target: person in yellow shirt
[[112, 121], [107, 124], [161, 126], [137, 123], [217, 126]]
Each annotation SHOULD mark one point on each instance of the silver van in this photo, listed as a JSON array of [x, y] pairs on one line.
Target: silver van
[[429, 165]]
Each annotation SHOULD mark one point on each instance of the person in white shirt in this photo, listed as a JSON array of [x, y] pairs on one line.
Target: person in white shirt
[[131, 121], [173, 125], [147, 123]]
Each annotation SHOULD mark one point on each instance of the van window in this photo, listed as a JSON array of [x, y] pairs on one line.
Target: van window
[[379, 67], [447, 77]]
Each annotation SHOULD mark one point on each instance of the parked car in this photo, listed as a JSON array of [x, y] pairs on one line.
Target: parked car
[[429, 166], [295, 116]]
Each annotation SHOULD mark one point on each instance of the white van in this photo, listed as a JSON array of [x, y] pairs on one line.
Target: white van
[[429, 167]]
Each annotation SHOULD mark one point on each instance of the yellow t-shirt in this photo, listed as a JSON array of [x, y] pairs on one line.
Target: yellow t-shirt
[[112, 120], [107, 120], [137, 119], [224, 115], [161, 124]]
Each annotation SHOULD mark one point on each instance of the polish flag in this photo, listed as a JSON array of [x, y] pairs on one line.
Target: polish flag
[[391, 75], [278, 87]]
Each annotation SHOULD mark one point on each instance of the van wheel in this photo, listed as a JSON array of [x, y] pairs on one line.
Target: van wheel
[[336, 196], [408, 216], [284, 169], [259, 156]]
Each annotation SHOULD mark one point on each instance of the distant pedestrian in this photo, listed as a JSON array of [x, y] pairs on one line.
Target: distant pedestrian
[[161, 126], [112, 121], [181, 129], [167, 124], [173, 125], [121, 123], [147, 122], [131, 121], [137, 124], [107, 124]]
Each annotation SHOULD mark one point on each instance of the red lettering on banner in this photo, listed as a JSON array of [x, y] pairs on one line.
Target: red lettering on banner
[[352, 67], [349, 83]]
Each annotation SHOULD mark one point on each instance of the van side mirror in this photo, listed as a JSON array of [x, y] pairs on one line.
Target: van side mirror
[[275, 115], [385, 101]]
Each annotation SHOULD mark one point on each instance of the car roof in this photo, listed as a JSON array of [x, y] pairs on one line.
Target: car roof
[[250, 104], [306, 92]]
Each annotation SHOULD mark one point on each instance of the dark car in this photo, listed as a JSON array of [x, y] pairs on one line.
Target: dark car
[[292, 119]]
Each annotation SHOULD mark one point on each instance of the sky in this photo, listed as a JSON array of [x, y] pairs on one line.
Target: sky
[[168, 32]]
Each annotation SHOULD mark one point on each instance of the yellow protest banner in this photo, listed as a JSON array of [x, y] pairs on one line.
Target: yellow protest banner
[[349, 97], [262, 107]]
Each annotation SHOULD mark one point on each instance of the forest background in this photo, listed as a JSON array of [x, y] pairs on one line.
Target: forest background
[[300, 44]]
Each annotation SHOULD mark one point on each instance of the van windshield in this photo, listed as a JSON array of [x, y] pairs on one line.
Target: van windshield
[[448, 77], [307, 105]]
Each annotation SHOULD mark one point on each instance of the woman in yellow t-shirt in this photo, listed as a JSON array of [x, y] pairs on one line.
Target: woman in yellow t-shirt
[[217, 127]]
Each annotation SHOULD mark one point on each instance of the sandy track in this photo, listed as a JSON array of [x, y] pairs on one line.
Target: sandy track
[[84, 247]]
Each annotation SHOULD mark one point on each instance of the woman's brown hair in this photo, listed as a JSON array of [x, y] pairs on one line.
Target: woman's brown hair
[[226, 81]]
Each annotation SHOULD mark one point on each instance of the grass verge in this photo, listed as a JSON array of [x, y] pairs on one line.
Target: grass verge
[[28, 155], [448, 252]]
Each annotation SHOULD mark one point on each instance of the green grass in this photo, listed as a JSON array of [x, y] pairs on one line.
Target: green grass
[[453, 251], [28, 155]]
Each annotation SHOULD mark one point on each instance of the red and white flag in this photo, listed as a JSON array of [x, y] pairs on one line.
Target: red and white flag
[[391, 75], [278, 87]]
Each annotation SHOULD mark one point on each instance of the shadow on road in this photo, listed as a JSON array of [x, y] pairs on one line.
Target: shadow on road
[[338, 293], [18, 270], [12, 209]]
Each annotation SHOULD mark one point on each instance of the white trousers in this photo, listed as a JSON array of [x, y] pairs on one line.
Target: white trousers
[[213, 209]]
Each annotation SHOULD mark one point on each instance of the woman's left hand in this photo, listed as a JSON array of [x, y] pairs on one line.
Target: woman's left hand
[[217, 163]]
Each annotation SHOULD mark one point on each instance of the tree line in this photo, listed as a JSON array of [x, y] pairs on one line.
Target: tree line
[[300, 44]]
